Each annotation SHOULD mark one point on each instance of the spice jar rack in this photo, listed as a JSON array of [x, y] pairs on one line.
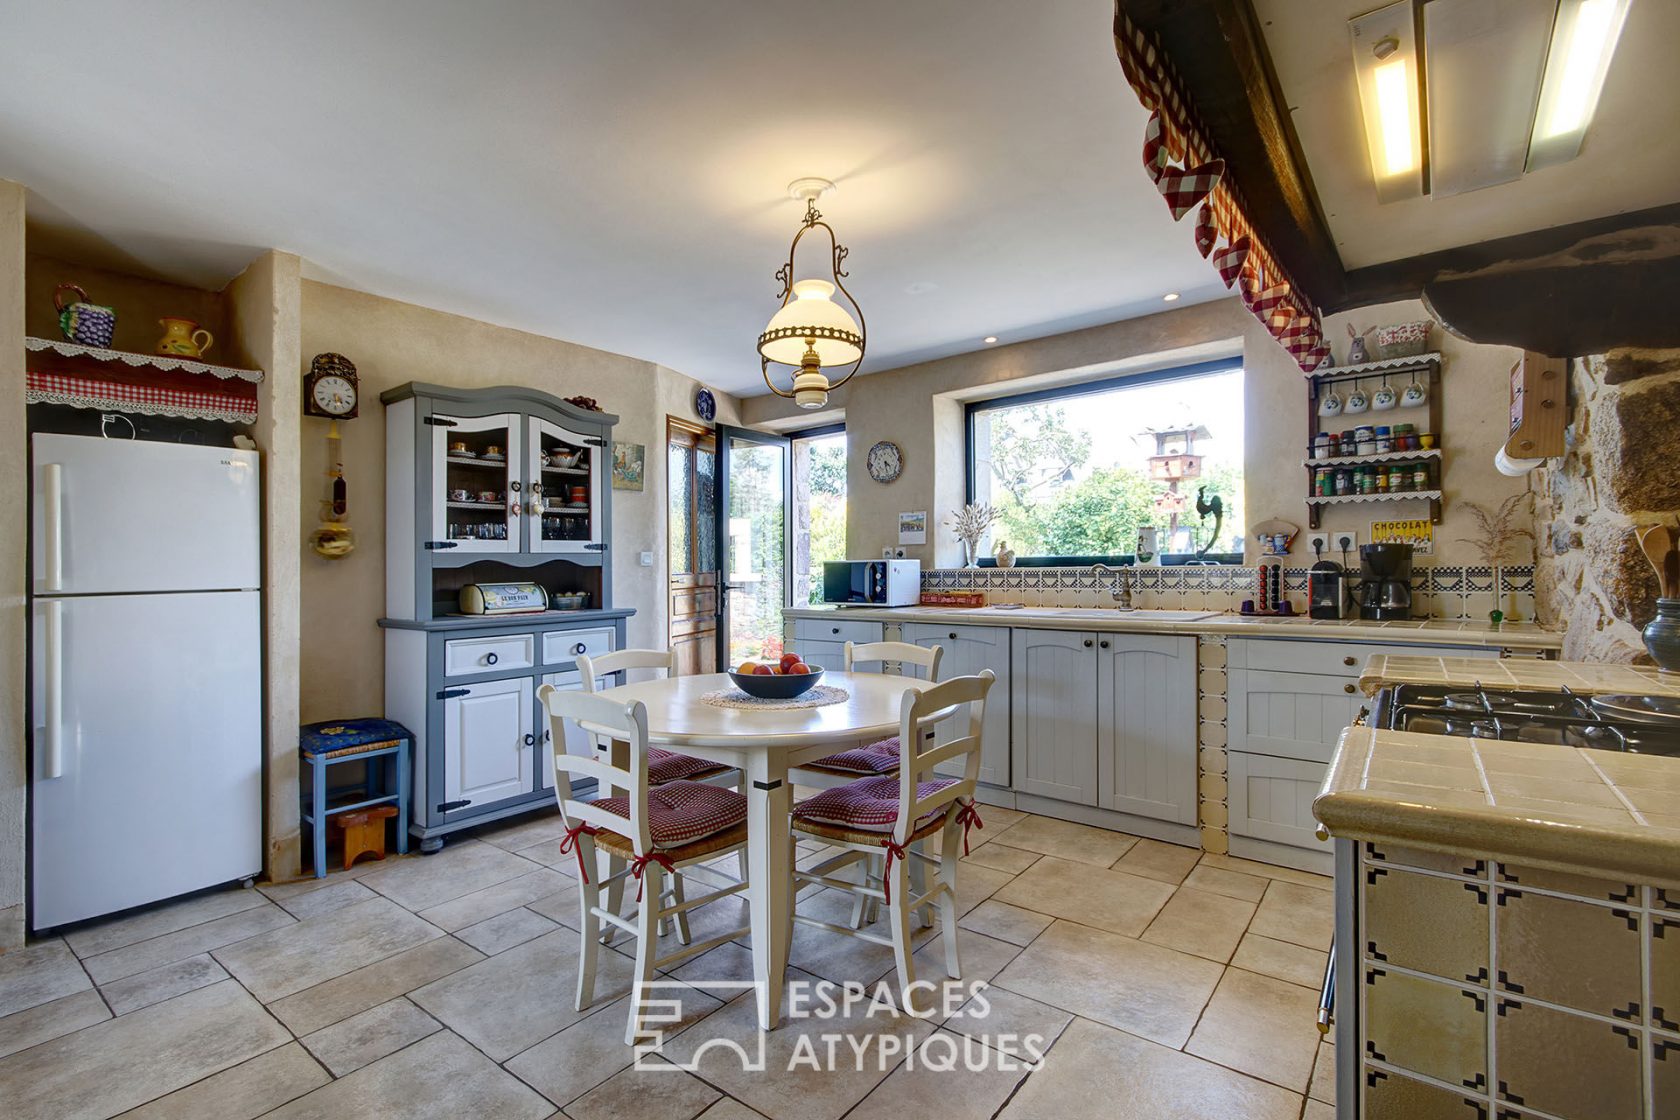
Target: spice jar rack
[[1387, 453]]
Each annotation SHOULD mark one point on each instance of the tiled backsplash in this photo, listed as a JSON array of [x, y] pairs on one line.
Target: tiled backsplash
[[1437, 591]]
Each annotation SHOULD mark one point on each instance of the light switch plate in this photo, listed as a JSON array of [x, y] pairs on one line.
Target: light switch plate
[[646, 559]]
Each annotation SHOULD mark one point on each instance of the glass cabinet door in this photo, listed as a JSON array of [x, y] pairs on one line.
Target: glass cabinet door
[[564, 497], [475, 479]]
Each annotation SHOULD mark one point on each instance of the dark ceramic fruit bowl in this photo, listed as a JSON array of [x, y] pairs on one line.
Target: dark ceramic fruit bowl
[[769, 686]]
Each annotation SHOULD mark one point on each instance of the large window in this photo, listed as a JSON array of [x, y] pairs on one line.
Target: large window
[[1074, 473], [819, 507]]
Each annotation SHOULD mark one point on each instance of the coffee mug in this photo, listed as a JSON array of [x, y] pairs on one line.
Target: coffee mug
[[488, 496], [580, 495], [1383, 399], [1357, 402], [1413, 395], [459, 496], [1330, 404], [492, 450], [458, 448]]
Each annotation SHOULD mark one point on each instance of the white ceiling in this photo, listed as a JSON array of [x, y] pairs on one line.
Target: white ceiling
[[609, 172], [1629, 161]]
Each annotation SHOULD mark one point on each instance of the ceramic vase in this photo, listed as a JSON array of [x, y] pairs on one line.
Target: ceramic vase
[[1662, 636]]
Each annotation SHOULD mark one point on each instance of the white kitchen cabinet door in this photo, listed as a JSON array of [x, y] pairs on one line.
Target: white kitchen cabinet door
[[1271, 799], [555, 522], [1052, 714], [828, 656], [488, 742], [476, 489], [577, 743], [1146, 725], [1291, 715], [969, 650]]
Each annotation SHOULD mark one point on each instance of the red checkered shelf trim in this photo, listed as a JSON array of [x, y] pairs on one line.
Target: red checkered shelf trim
[[147, 398]]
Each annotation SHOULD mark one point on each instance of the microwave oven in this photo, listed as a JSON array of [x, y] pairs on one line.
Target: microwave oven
[[877, 583]]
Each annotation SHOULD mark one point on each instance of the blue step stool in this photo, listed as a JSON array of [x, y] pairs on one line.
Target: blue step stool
[[368, 741]]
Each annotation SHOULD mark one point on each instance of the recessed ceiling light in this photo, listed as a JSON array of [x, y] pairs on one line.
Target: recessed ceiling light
[[1385, 68], [1583, 39], [989, 339], [1169, 297]]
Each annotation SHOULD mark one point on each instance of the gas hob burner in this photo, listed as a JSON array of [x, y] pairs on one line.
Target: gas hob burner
[[1635, 724]]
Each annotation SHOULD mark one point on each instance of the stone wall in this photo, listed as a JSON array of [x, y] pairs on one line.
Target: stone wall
[[1621, 472]]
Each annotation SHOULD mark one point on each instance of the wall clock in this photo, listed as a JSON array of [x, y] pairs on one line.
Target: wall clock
[[330, 388], [705, 405], [886, 461]]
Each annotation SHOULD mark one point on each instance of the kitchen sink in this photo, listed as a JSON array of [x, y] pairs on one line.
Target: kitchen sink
[[1106, 614]]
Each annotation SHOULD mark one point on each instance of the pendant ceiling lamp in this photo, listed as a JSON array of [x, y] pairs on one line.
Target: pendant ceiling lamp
[[811, 331]]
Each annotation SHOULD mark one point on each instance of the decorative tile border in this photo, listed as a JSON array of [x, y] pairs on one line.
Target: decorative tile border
[[1437, 591], [1213, 812]]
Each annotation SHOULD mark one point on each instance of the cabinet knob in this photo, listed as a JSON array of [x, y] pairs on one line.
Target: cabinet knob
[[1088, 643], [579, 648], [530, 740], [1348, 661], [1347, 688], [491, 659], [1103, 644], [953, 635], [836, 630]]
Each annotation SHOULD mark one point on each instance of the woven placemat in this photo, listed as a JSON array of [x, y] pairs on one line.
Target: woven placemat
[[819, 696]]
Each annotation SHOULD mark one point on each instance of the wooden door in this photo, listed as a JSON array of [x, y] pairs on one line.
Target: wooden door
[[968, 651], [1146, 725], [1052, 714], [488, 742], [691, 530]]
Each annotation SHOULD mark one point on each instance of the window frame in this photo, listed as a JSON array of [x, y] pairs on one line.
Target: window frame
[[818, 432], [973, 409]]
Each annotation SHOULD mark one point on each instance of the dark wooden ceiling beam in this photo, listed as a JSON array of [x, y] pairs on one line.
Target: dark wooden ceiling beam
[[1219, 51]]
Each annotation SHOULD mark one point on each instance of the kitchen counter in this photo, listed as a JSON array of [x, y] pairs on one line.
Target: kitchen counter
[[1596, 812], [1435, 631]]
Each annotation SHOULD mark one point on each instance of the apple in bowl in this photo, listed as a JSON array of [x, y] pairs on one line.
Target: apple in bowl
[[780, 680]]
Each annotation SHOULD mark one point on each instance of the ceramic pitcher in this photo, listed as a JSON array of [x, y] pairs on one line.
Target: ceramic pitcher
[[81, 319], [181, 338]]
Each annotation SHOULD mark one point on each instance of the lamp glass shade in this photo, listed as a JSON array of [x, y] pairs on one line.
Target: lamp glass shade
[[812, 313]]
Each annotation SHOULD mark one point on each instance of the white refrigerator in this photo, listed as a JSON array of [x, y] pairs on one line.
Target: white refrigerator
[[145, 675]]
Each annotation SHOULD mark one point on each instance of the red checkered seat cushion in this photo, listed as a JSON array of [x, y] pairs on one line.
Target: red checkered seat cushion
[[669, 766], [868, 804], [682, 812], [876, 758]]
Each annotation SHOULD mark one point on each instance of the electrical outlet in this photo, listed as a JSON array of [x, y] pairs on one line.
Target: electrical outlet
[[1344, 540], [1318, 543], [886, 553], [900, 552]]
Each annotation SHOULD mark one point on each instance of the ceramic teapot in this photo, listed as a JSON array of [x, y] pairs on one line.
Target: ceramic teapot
[[181, 338]]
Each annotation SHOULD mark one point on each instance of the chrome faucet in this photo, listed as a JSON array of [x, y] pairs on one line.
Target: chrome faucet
[[1121, 587]]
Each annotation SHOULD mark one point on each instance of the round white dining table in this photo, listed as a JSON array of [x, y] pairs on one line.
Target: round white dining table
[[765, 744]]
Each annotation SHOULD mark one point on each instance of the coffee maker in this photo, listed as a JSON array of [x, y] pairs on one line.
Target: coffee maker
[[1328, 590], [1385, 582]]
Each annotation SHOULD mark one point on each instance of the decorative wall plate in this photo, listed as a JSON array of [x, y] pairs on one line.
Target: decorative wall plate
[[705, 405], [886, 461]]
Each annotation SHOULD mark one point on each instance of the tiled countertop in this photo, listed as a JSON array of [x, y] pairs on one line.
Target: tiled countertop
[[1598, 812], [1581, 676], [1435, 631]]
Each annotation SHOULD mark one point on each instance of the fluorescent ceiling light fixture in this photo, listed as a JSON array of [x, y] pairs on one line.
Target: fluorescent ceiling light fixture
[[1483, 60], [1169, 297], [1583, 41], [1385, 64]]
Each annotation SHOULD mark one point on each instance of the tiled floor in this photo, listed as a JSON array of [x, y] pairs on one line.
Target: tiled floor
[[1164, 984]]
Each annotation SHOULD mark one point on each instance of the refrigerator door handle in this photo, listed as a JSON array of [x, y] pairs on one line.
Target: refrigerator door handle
[[52, 763], [53, 475]]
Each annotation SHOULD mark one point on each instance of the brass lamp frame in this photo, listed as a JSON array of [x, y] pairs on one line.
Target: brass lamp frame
[[809, 363]]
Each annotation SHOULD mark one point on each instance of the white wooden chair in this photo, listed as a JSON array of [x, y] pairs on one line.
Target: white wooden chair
[[650, 832], [873, 759], [887, 814], [663, 765]]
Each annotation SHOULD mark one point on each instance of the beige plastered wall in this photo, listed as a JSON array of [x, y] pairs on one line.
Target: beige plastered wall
[[920, 408], [14, 565], [391, 342]]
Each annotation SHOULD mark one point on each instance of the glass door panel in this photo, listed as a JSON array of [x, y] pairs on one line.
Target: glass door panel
[[564, 506], [753, 487], [475, 500]]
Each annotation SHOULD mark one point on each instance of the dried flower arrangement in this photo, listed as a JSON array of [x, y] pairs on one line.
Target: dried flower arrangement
[[970, 524], [1497, 535]]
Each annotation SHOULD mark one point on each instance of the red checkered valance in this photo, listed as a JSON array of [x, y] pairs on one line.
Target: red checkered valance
[[1174, 136], [155, 396]]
